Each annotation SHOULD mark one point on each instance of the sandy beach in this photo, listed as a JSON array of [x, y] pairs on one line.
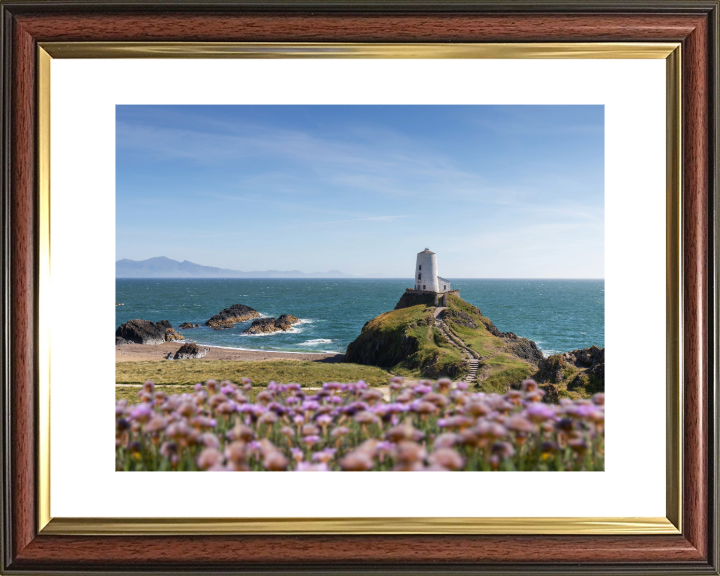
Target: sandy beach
[[141, 352]]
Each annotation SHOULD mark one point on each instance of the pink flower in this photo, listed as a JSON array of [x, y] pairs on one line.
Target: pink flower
[[209, 457], [141, 412], [447, 458], [324, 420], [308, 467]]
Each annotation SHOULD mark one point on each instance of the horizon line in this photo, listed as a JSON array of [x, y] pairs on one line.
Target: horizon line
[[332, 278]]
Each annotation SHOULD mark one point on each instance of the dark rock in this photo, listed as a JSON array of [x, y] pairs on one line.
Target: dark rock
[[524, 348], [236, 313], [490, 327], [586, 357], [551, 368], [141, 332], [381, 348], [432, 369], [598, 371], [189, 351], [270, 325], [262, 326], [187, 326], [120, 341], [416, 298], [171, 335], [592, 358], [591, 362]]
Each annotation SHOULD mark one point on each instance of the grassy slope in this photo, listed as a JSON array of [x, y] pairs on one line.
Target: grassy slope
[[434, 354], [130, 393], [502, 367], [188, 372]]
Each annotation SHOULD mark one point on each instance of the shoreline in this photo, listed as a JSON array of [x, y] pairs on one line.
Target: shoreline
[[145, 352]]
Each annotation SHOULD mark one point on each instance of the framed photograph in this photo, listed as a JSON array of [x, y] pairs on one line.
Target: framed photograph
[[351, 243]]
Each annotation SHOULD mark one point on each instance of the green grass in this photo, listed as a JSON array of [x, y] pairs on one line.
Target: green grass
[[399, 319], [435, 355], [457, 303], [505, 369], [130, 393], [503, 376], [478, 339], [188, 372], [586, 385]]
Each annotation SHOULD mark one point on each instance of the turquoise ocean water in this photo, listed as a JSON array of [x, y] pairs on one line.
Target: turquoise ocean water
[[559, 315]]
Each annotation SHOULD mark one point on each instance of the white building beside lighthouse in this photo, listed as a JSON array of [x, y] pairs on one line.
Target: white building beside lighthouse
[[426, 273]]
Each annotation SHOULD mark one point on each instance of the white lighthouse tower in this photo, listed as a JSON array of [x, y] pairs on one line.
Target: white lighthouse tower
[[426, 276], [426, 273]]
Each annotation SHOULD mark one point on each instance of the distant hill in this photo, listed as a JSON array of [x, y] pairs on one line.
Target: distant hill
[[162, 267]]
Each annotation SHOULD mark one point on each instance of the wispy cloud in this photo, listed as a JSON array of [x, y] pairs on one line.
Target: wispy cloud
[[374, 167], [307, 187]]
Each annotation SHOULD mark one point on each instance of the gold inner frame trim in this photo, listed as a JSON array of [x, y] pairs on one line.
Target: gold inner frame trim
[[532, 50], [178, 526], [43, 398], [290, 526]]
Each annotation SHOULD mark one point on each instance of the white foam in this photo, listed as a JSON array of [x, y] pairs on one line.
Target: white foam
[[291, 331], [314, 342]]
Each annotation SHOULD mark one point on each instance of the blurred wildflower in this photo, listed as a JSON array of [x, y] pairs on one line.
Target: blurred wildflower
[[423, 426]]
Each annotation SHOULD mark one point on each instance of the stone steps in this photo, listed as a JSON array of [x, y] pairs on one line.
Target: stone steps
[[455, 341], [472, 375], [468, 353]]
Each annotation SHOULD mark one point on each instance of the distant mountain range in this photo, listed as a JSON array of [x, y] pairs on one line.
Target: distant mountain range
[[162, 267]]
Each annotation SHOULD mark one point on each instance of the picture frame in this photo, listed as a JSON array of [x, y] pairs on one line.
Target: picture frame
[[686, 540]]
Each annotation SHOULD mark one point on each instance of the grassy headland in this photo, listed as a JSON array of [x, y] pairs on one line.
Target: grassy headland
[[406, 342], [411, 342]]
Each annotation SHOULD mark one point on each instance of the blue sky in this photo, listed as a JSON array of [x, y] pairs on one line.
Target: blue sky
[[495, 191]]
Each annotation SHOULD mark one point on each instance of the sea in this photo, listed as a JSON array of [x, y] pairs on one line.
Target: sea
[[559, 315]]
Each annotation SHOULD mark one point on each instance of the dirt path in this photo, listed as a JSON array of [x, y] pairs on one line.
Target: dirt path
[[468, 353], [142, 352]]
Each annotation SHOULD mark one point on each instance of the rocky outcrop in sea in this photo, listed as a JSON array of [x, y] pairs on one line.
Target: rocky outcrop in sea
[[140, 332], [270, 325], [146, 332], [188, 325], [171, 335], [229, 316]]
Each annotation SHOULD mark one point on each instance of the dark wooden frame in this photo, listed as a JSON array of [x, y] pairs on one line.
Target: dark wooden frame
[[694, 23]]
